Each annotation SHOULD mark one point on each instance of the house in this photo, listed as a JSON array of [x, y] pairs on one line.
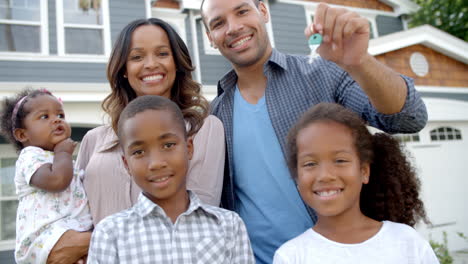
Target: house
[[63, 45]]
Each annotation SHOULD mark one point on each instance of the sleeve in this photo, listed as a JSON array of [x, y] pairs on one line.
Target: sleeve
[[30, 160], [278, 258], [206, 171], [411, 119], [428, 256], [103, 246], [86, 150], [242, 251]]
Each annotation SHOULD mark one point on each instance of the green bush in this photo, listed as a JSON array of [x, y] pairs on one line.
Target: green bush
[[441, 250]]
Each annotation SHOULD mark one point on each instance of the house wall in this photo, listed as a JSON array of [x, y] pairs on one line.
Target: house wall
[[212, 67], [122, 12], [443, 70], [48, 71]]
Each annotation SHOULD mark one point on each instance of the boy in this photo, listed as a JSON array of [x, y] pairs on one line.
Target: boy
[[168, 224]]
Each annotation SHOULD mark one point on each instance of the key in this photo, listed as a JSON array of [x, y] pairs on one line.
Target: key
[[314, 42]]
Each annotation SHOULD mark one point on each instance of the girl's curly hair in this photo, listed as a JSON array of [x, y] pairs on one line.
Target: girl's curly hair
[[393, 189], [8, 105], [186, 92]]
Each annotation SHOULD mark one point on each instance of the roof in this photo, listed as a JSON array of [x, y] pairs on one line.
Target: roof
[[426, 35]]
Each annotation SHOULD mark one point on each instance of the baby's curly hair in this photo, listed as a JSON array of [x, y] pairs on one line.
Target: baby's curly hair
[[8, 105], [393, 189]]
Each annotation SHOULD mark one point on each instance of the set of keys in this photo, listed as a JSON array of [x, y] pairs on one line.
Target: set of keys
[[314, 42]]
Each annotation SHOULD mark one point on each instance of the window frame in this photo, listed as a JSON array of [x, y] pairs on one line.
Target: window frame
[[174, 17], [7, 151], [105, 27], [43, 25]]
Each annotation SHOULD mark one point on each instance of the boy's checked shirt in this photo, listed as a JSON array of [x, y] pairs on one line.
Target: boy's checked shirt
[[144, 234]]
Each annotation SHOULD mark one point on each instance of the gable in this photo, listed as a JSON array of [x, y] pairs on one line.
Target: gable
[[442, 70]]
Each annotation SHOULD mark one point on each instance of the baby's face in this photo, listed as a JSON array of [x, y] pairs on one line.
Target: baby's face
[[45, 125], [157, 154]]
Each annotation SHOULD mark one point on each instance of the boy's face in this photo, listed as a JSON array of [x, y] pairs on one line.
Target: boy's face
[[157, 155]]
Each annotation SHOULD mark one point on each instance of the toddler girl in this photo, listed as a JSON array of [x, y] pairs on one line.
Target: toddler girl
[[363, 188], [51, 196]]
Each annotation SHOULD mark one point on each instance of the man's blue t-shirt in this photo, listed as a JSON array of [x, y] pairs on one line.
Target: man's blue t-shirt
[[266, 195]]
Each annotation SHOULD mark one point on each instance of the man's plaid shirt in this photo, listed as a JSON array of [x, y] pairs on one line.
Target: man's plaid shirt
[[144, 234]]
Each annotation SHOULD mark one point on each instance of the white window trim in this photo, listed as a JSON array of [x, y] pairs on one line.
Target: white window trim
[[105, 29], [174, 17], [7, 151], [196, 54], [43, 28], [370, 16], [209, 50], [148, 8]]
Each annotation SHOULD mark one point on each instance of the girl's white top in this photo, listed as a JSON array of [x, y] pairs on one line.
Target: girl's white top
[[42, 216], [394, 243]]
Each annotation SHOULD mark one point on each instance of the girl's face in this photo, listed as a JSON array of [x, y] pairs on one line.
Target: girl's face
[[45, 125], [330, 174], [150, 67]]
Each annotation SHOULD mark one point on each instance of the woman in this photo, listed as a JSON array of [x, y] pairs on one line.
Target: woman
[[149, 57]]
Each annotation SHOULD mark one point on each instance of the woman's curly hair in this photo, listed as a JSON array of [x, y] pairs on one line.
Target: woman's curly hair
[[186, 92], [393, 189], [9, 124]]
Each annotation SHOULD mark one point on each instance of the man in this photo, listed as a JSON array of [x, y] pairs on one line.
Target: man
[[265, 93]]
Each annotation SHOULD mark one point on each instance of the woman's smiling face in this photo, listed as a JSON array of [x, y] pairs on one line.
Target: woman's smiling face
[[150, 67]]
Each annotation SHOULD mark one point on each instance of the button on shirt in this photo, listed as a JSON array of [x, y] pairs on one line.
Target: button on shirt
[[145, 234]]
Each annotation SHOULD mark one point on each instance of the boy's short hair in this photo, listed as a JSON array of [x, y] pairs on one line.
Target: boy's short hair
[[150, 102]]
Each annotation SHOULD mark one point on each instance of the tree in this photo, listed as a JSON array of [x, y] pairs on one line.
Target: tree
[[450, 16]]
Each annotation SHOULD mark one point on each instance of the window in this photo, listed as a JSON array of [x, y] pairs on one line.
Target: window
[[83, 27], [8, 200], [404, 138], [445, 134], [23, 26]]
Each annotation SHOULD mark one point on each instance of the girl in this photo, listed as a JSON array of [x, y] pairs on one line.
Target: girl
[[363, 188], [52, 201], [149, 58]]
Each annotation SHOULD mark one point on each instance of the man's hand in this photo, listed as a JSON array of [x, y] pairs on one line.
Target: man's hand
[[345, 35], [70, 248]]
